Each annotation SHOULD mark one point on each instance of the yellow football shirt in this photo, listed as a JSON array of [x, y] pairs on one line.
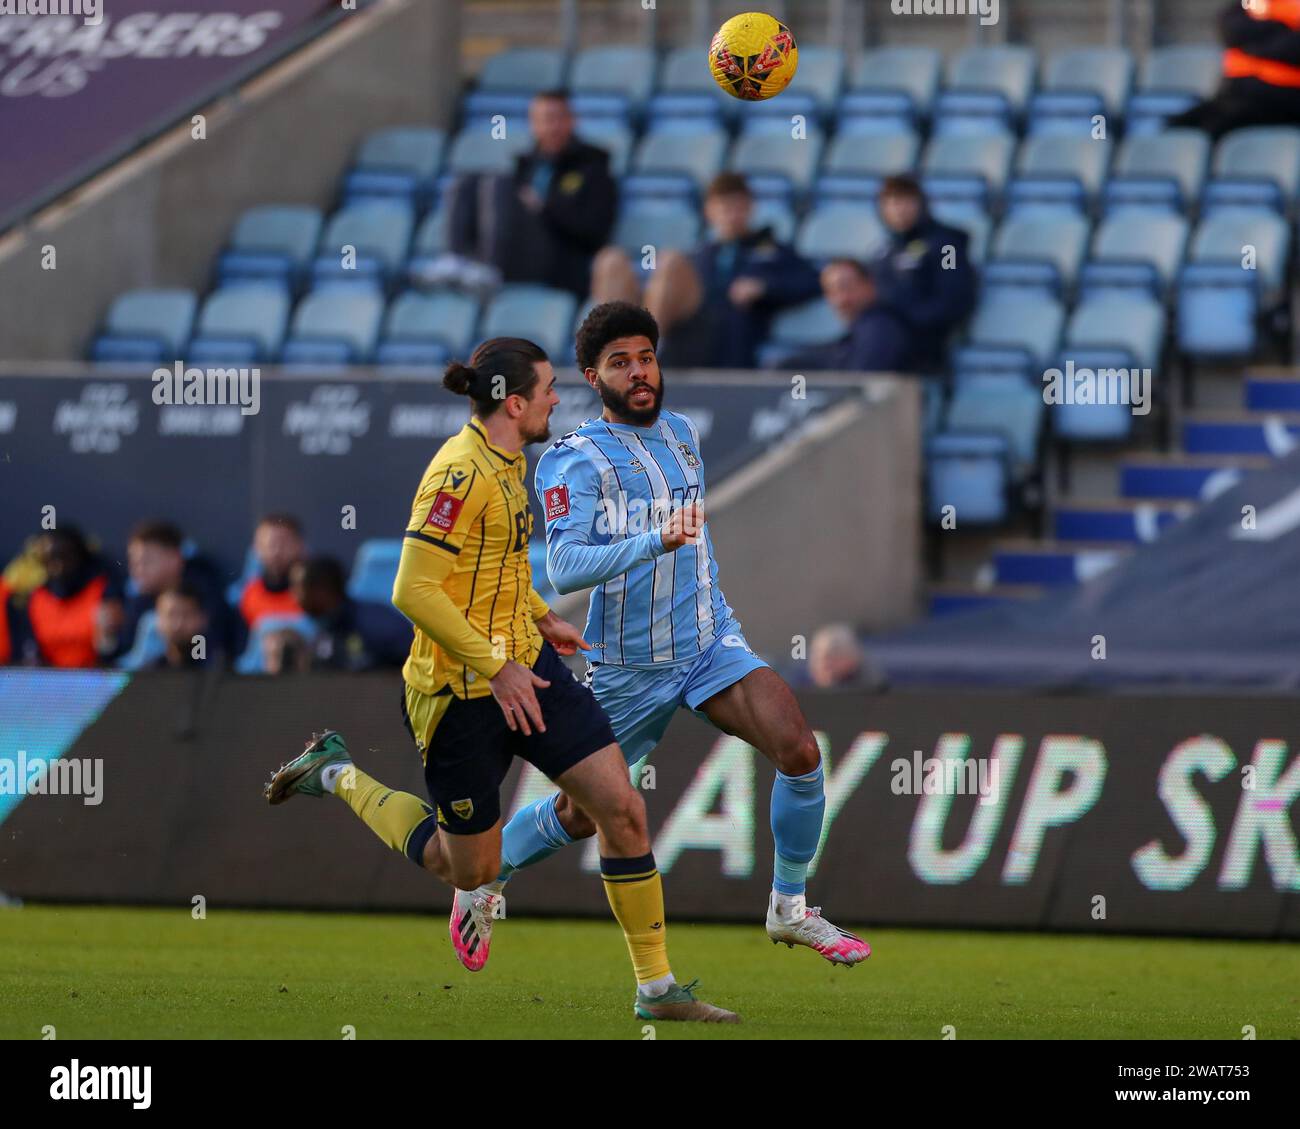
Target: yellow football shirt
[[464, 578]]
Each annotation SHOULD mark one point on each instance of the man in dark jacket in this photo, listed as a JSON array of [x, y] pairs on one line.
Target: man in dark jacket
[[1261, 69], [546, 221], [878, 339], [354, 634], [714, 306], [925, 273]]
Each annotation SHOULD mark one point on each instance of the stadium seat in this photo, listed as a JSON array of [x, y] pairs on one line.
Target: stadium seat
[[475, 150], [539, 313], [147, 647], [893, 89], [510, 78], [1126, 323], [146, 326], [1218, 249], [375, 569], [777, 166], [970, 171], [855, 164], [1163, 172], [1173, 79], [971, 473], [380, 232], [974, 224], [1079, 84], [1057, 173], [334, 327], [658, 224], [1258, 167], [1001, 404], [401, 162], [252, 661], [1012, 331], [430, 242], [830, 231], [675, 166], [1040, 253], [804, 326], [776, 215], [687, 90], [987, 90], [612, 136], [427, 329], [272, 243], [611, 82], [240, 325], [1135, 251]]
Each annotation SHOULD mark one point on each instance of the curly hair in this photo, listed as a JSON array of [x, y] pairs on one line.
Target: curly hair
[[608, 322]]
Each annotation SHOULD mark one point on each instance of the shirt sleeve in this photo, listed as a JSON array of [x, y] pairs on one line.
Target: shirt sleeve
[[569, 486], [444, 511]]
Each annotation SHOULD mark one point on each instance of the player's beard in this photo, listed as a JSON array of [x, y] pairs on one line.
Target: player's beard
[[540, 435], [618, 403]]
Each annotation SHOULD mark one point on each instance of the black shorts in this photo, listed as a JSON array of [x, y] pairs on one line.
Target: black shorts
[[471, 747]]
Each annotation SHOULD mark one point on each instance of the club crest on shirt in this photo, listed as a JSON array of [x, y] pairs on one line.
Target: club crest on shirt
[[636, 464], [444, 511], [692, 460], [556, 502]]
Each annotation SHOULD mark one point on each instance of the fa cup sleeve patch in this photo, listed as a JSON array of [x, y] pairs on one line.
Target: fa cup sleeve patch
[[444, 512], [557, 502]]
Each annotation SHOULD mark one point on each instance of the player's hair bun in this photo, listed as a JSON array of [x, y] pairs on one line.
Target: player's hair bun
[[459, 378]]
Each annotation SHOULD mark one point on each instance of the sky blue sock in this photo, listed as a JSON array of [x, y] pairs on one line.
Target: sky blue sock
[[798, 803], [533, 833]]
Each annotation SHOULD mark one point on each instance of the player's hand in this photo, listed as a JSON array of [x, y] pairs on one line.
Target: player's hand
[[515, 689], [684, 527], [562, 635], [746, 291]]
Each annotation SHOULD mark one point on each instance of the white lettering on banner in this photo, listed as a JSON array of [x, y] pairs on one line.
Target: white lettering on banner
[[96, 423], [425, 421], [328, 420]]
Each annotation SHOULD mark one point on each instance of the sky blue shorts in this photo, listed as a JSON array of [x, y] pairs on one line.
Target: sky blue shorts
[[641, 703]]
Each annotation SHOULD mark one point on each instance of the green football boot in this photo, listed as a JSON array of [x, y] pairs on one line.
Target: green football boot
[[303, 773], [679, 1003]]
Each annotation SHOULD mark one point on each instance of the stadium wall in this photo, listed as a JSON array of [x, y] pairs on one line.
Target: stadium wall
[[158, 218], [1112, 815]]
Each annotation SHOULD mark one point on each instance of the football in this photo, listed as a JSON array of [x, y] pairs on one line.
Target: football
[[753, 56]]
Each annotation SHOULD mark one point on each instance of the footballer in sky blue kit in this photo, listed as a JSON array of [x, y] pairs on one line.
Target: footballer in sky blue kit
[[623, 501]]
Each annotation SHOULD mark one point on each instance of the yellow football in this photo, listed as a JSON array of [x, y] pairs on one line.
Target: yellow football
[[753, 56]]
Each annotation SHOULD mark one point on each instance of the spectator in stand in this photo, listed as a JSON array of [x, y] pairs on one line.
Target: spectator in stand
[[878, 339], [156, 563], [12, 626], [1261, 69], [66, 613], [924, 273], [278, 545], [835, 657], [713, 306], [354, 634], [545, 221], [183, 621]]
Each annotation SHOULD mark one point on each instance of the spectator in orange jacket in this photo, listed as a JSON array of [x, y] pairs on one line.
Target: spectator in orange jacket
[[1261, 69], [65, 614], [278, 545]]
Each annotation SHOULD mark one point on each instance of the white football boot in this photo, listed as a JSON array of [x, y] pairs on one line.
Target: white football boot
[[804, 925]]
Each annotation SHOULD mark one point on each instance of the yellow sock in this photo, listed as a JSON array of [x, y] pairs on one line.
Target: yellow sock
[[636, 895], [403, 821]]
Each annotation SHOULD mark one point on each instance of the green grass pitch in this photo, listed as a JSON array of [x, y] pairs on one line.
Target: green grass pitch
[[155, 973]]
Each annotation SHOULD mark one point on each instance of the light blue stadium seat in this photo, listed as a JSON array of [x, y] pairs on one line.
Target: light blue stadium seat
[[1135, 251], [1035, 252], [776, 215], [1173, 79], [147, 647], [659, 224], [148, 326], [855, 165], [379, 230], [539, 313], [401, 162], [272, 243], [1011, 332], [375, 569], [777, 166], [892, 88], [510, 78], [429, 243], [800, 327], [1223, 237], [1163, 172], [987, 91], [611, 81], [832, 231], [1129, 323], [687, 90], [1080, 83], [475, 150], [1056, 173], [240, 324], [252, 660], [612, 136], [975, 224], [1257, 167], [971, 171], [994, 404], [427, 329], [813, 93], [972, 473], [334, 327], [673, 166]]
